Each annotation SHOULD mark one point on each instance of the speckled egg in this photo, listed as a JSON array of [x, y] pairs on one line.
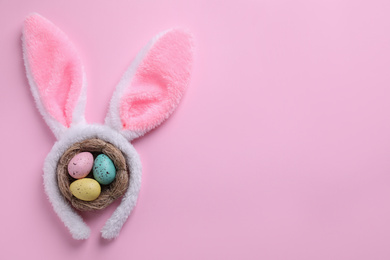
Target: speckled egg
[[86, 189], [80, 165], [103, 169]]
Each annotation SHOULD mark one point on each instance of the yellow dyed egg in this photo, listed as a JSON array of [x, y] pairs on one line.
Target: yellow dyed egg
[[85, 189]]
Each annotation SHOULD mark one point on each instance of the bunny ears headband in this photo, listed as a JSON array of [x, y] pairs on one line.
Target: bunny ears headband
[[147, 94]]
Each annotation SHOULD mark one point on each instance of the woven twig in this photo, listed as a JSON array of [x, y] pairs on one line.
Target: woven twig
[[109, 192]]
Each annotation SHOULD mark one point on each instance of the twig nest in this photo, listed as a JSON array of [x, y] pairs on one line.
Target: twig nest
[[109, 192]]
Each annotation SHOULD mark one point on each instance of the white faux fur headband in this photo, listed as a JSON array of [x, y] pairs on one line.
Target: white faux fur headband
[[147, 94]]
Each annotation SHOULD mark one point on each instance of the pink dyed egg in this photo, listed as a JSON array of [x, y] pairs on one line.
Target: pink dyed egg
[[80, 165]]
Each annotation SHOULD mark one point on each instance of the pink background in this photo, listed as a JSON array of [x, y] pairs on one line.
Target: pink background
[[279, 150]]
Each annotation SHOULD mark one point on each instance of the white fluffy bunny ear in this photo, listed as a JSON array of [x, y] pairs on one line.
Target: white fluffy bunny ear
[[55, 74], [153, 85]]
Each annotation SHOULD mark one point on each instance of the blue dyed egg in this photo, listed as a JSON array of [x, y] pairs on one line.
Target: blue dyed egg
[[103, 169]]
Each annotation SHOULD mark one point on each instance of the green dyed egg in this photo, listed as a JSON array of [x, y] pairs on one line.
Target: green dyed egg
[[103, 169]]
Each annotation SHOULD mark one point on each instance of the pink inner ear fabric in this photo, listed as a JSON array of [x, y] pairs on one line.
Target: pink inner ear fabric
[[159, 82], [54, 66]]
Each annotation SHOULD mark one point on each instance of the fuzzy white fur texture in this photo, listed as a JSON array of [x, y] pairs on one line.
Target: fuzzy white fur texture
[[56, 127], [113, 116], [67, 214]]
